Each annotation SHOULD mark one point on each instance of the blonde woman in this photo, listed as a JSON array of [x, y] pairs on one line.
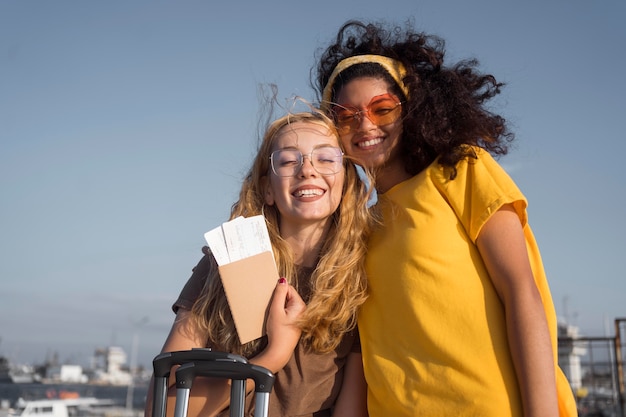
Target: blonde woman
[[315, 206]]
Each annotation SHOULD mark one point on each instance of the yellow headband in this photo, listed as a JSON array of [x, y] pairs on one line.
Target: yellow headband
[[393, 67]]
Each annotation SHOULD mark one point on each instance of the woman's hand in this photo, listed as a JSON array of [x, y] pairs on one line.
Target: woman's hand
[[282, 330]]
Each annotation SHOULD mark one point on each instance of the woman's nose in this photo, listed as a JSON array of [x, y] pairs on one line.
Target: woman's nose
[[307, 169], [364, 122]]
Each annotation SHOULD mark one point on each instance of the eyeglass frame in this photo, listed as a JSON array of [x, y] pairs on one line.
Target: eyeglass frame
[[301, 161], [357, 115]]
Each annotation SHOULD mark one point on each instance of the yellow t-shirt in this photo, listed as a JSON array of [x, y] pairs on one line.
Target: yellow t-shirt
[[433, 330]]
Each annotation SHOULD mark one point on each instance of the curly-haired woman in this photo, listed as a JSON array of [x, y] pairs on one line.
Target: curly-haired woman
[[459, 319]]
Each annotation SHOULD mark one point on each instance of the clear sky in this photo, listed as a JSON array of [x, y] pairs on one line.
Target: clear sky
[[126, 128]]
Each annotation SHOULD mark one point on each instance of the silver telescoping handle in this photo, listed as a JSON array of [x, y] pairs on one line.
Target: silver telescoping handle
[[236, 371], [162, 364]]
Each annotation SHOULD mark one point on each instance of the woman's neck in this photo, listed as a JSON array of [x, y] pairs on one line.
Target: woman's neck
[[389, 176], [306, 243]]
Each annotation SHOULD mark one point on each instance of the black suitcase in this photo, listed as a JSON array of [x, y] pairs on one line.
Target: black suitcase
[[206, 362]]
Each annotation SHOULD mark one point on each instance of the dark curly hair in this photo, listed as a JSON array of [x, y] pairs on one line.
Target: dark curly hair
[[446, 109]]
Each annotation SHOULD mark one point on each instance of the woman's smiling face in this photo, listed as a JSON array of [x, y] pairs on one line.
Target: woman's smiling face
[[375, 146], [306, 196]]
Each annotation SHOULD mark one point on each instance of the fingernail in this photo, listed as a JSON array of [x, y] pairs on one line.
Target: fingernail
[[282, 281]]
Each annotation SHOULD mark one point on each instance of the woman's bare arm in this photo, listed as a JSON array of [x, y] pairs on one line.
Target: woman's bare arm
[[352, 399], [503, 249], [208, 396]]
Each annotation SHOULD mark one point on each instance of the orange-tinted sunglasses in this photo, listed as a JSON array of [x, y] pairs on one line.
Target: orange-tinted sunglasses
[[381, 110]]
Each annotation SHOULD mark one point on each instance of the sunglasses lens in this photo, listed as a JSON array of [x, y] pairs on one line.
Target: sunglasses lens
[[345, 119], [384, 112]]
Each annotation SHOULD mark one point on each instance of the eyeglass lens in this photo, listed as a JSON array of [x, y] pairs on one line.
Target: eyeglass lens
[[326, 160], [381, 110]]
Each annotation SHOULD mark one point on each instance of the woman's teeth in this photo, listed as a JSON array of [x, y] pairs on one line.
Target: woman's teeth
[[370, 142], [308, 192]]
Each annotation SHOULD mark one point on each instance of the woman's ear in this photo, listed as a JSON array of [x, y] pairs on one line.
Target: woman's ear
[[267, 190]]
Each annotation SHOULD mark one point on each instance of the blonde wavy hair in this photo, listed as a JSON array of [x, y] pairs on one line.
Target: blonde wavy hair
[[338, 283]]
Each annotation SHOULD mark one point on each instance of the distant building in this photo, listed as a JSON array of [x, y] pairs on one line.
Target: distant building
[[113, 370], [17, 374], [570, 354], [66, 373]]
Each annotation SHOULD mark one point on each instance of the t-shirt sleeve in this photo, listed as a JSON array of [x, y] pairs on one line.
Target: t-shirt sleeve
[[194, 285], [480, 188]]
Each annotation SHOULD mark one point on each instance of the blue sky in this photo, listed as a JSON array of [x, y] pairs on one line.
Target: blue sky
[[126, 128]]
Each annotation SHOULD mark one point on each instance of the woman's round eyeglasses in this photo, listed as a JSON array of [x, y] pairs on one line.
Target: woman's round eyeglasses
[[326, 160]]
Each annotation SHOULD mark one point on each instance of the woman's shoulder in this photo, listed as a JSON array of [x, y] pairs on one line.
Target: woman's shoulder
[[194, 285], [206, 263], [478, 165]]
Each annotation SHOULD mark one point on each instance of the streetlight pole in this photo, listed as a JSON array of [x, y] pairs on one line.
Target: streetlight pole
[[619, 369], [133, 363]]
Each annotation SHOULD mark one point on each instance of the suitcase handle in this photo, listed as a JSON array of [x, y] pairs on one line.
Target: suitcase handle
[[162, 365], [163, 362], [236, 371]]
